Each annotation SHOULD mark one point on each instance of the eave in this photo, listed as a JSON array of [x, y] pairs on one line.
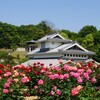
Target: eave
[[77, 52]]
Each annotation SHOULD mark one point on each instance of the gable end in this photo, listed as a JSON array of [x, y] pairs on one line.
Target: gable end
[[75, 47]]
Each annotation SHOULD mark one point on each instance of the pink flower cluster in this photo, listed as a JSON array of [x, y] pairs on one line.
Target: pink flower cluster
[[55, 91], [76, 90], [57, 76], [25, 79], [7, 74], [5, 91], [40, 82], [69, 68]]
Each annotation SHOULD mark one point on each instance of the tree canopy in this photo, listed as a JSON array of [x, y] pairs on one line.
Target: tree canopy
[[12, 36], [87, 30]]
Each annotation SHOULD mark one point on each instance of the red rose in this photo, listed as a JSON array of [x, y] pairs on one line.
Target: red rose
[[1, 72]]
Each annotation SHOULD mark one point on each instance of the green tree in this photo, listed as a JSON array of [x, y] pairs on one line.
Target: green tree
[[96, 37], [45, 27], [88, 41], [64, 35], [87, 30], [96, 49], [71, 35]]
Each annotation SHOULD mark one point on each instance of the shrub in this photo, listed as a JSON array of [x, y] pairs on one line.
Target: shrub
[[69, 81]]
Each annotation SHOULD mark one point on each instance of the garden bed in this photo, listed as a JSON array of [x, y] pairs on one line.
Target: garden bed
[[69, 81]]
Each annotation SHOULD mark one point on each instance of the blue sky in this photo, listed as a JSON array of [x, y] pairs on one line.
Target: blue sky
[[64, 14]]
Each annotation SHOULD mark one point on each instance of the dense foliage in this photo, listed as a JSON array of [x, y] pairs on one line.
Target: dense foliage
[[12, 36], [6, 57], [68, 81]]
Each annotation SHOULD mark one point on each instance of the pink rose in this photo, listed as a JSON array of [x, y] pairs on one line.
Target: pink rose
[[56, 76], [73, 68], [51, 77], [72, 73], [57, 68], [55, 87], [25, 79], [76, 75], [86, 75], [48, 73], [7, 74], [43, 70], [52, 93], [5, 91], [89, 71], [79, 79], [35, 87], [93, 80], [6, 85], [74, 91], [40, 82], [80, 71], [58, 92], [9, 80], [66, 76], [66, 67], [61, 77]]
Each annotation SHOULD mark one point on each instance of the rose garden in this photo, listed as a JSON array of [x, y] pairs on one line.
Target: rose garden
[[68, 81]]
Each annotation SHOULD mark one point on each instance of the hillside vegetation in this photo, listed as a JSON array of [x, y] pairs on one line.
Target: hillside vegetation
[[12, 36]]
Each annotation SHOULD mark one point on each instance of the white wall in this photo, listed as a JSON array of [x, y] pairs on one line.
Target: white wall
[[51, 45], [47, 55]]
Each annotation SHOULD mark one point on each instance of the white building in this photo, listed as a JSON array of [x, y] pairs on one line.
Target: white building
[[54, 46]]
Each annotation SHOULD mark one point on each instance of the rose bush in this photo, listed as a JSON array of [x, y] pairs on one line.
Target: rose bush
[[69, 81]]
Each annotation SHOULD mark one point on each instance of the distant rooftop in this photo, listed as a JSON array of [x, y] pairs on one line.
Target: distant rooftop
[[31, 41]]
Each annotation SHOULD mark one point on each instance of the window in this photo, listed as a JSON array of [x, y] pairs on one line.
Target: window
[[84, 55], [64, 54], [43, 45], [73, 55]]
